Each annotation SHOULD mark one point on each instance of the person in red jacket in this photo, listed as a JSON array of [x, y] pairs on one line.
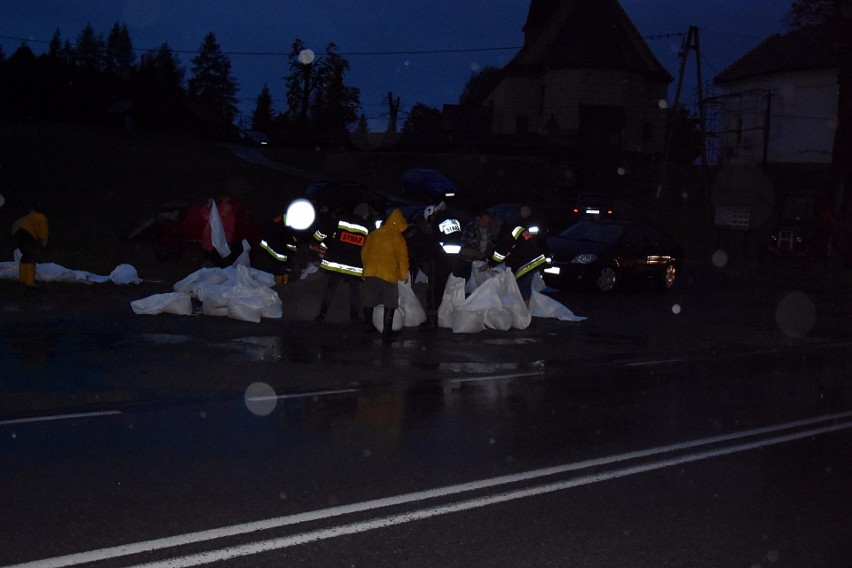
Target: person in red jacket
[[385, 259]]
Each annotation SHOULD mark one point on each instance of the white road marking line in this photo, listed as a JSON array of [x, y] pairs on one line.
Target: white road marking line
[[60, 417], [494, 377], [301, 395], [657, 362], [476, 503], [323, 514]]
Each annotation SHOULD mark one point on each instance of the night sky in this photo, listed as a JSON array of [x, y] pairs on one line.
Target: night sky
[[421, 51]]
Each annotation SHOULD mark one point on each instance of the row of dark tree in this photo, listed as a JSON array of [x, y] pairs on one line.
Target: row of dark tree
[[97, 79]]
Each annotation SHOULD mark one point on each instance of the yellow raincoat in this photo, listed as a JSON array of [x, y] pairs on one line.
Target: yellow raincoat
[[385, 253]]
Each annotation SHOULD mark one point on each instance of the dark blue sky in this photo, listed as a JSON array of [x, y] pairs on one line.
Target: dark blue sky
[[384, 40]]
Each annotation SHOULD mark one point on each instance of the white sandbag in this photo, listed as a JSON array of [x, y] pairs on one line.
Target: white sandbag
[[468, 322], [209, 309], [412, 310], [244, 259], [192, 282], [379, 318], [52, 272], [478, 276], [169, 303], [124, 274], [217, 232], [543, 306], [496, 303], [244, 311], [453, 298], [513, 300], [237, 291]]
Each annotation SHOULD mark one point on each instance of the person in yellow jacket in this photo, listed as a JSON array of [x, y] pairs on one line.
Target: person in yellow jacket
[[385, 259], [30, 232]]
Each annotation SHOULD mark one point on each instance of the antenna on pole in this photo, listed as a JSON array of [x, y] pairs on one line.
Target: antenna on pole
[[690, 43]]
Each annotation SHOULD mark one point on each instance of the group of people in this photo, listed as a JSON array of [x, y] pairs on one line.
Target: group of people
[[371, 262]]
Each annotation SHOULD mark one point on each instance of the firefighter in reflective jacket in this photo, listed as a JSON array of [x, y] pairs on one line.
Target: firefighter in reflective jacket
[[282, 244], [340, 247], [522, 252]]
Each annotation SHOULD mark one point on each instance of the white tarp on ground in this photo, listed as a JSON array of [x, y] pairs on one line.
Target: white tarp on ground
[[52, 272], [237, 291], [495, 302]]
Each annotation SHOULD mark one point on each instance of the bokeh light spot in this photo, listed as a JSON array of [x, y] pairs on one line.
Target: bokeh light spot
[[260, 399], [720, 259], [306, 57], [676, 309], [796, 314]]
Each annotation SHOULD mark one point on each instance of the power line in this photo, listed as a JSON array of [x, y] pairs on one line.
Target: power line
[[287, 53]]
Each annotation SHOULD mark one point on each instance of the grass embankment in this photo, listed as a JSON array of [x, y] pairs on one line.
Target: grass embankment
[[97, 184]]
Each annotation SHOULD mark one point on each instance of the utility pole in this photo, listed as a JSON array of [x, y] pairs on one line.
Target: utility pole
[[393, 113], [690, 42]]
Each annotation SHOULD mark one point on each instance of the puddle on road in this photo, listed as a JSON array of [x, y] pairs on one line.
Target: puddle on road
[[511, 341], [165, 338]]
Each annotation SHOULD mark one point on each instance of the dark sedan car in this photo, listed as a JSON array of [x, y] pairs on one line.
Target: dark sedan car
[[427, 185], [593, 206], [605, 253]]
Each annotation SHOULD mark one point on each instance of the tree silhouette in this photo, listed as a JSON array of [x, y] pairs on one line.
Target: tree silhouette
[[479, 86], [212, 88], [88, 85], [159, 96], [263, 118], [119, 60], [422, 118]]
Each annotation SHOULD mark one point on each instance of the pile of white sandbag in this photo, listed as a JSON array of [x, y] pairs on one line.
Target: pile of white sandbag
[[52, 272], [491, 299], [237, 291]]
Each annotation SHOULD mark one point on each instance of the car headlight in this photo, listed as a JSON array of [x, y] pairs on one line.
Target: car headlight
[[586, 258]]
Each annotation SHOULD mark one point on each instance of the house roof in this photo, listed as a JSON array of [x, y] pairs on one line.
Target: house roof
[[808, 48], [583, 34]]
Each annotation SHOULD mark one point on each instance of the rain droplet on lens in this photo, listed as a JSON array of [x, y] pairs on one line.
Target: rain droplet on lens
[[260, 399], [796, 314]]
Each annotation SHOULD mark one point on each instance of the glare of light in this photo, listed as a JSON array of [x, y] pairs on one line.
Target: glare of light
[[301, 214], [260, 399], [796, 314], [306, 56], [622, 171], [676, 309], [720, 259], [663, 103]]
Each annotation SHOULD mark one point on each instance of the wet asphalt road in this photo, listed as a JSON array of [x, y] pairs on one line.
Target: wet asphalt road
[[706, 427]]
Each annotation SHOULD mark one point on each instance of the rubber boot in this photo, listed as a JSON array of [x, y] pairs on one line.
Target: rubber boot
[[26, 272], [387, 325]]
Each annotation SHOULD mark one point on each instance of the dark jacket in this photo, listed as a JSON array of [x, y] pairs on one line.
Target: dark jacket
[[342, 244], [520, 250], [280, 241]]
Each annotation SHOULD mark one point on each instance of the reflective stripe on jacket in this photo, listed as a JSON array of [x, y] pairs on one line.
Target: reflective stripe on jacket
[[343, 247], [521, 252]]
